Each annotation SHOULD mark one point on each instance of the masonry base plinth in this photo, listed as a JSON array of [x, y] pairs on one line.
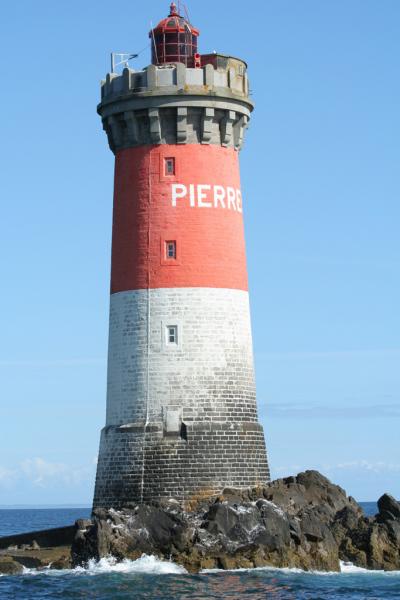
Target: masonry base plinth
[[140, 466]]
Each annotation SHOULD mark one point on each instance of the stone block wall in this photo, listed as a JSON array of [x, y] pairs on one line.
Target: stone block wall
[[205, 382], [135, 466]]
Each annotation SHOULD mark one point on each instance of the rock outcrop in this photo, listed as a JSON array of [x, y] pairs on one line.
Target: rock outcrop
[[49, 548], [8, 566], [15, 558], [303, 521]]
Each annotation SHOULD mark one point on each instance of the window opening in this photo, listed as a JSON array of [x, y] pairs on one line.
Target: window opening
[[183, 431], [169, 167], [172, 334], [170, 249]]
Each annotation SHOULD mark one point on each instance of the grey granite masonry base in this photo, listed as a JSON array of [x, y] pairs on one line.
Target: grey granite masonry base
[[136, 467]]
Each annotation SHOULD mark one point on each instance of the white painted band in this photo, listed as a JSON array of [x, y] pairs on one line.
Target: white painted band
[[185, 349]]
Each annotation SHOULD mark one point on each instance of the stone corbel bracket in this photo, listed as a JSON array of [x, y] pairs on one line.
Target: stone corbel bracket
[[176, 105]]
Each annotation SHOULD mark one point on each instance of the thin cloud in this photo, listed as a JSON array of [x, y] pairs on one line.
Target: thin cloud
[[318, 411], [70, 362], [7, 477], [337, 261], [42, 473], [306, 355], [365, 465], [355, 466]]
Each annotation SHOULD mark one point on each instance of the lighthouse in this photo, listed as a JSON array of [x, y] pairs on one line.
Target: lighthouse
[[181, 417]]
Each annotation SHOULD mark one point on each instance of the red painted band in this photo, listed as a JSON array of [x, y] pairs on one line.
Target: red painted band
[[198, 208]]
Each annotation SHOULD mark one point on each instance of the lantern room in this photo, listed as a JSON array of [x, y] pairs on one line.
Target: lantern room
[[174, 40]]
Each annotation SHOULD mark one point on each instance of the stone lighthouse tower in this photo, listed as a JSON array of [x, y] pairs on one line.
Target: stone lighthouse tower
[[181, 400]]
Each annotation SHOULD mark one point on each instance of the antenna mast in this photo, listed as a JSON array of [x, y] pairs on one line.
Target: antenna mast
[[154, 41], [120, 58]]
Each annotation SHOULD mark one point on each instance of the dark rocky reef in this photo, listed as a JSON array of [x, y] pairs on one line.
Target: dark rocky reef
[[15, 558], [303, 521], [36, 550]]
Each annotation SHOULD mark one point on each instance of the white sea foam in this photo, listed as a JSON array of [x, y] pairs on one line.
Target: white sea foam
[[155, 566], [240, 570], [348, 567], [345, 569], [144, 564]]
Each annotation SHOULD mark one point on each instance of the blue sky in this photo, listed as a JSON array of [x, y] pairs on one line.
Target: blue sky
[[320, 179]]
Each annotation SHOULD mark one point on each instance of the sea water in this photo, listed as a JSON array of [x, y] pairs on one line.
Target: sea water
[[149, 577]]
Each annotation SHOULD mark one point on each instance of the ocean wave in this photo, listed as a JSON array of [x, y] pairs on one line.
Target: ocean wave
[[346, 568], [149, 564], [245, 569], [145, 564]]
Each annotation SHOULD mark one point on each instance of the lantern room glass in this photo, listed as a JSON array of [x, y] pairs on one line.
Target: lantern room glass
[[174, 39], [174, 47]]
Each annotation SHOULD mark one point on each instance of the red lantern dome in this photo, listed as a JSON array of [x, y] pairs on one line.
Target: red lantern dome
[[174, 40]]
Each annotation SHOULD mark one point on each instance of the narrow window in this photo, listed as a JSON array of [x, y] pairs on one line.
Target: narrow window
[[183, 432], [170, 249], [172, 334], [169, 166]]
